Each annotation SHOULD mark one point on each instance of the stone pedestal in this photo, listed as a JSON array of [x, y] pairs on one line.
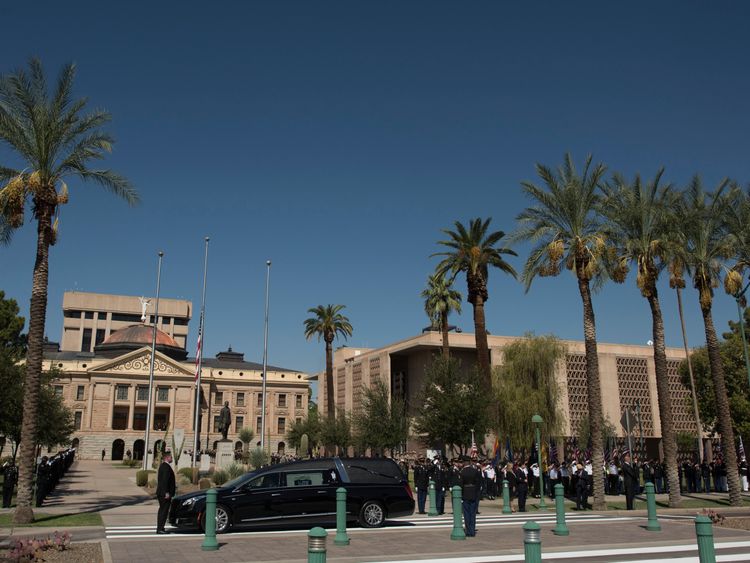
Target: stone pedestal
[[185, 460], [224, 454], [205, 463]]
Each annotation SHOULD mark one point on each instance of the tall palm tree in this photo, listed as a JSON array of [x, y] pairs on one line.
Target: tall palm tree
[[566, 227], [639, 225], [440, 299], [473, 251], [326, 323], [705, 247], [56, 140]]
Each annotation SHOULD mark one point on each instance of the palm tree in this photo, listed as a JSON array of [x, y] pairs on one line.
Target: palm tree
[[56, 140], [706, 244], [565, 225], [473, 251], [326, 323], [640, 226], [440, 299]]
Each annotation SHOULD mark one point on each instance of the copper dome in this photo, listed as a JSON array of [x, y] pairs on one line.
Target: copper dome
[[138, 336]]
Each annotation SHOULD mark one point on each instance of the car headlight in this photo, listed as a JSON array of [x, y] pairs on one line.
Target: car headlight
[[189, 502]]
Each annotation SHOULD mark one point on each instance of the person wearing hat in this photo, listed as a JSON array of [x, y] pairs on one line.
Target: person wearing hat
[[582, 487], [421, 482], [165, 491], [630, 480], [471, 482]]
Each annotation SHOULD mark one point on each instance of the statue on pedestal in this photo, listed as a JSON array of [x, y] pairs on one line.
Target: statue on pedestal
[[225, 420]]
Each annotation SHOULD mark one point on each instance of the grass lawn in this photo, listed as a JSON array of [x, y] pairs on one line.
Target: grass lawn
[[56, 520]]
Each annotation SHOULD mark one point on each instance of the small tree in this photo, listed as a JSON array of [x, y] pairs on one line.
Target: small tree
[[338, 431], [380, 423], [258, 458], [246, 436], [609, 431], [454, 403], [310, 426]]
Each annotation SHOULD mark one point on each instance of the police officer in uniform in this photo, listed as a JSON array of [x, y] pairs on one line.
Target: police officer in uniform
[[42, 481], [421, 482], [10, 478]]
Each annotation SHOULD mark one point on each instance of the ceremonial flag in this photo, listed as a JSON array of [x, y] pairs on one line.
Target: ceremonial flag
[[534, 456], [474, 450], [552, 450], [742, 449], [496, 451], [508, 450]]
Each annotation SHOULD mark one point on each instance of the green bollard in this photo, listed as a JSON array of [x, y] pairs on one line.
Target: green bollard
[[458, 527], [209, 541], [705, 533], [532, 542], [506, 498], [433, 500], [341, 537], [560, 529], [316, 545], [653, 524]]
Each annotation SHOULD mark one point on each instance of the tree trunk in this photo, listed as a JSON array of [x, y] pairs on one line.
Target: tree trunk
[[444, 327], [696, 412], [24, 513], [483, 351], [723, 415], [668, 436], [330, 401], [594, 394]]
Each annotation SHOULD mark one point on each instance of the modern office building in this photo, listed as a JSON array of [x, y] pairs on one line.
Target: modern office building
[[91, 318], [626, 371]]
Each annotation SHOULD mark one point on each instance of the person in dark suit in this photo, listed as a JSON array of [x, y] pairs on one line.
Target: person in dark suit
[[630, 480], [165, 491], [421, 483], [521, 486], [471, 484], [10, 478]]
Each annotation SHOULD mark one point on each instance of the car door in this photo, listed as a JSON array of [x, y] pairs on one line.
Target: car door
[[310, 494], [259, 500]]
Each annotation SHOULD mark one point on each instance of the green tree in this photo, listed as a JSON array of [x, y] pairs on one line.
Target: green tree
[[327, 322], [440, 299], [705, 245], [473, 251], [640, 224], [454, 404], [380, 423], [55, 140], [309, 425], [526, 385], [735, 374], [566, 227], [337, 431], [246, 436], [583, 431]]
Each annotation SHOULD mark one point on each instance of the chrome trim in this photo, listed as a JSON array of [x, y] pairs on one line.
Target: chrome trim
[[288, 516]]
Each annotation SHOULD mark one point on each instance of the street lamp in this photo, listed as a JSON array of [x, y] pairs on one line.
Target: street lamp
[[739, 298], [538, 421]]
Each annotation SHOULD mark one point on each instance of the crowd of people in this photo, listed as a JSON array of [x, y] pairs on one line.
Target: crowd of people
[[49, 471]]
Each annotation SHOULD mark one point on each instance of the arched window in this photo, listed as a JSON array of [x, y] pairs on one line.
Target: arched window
[[118, 449]]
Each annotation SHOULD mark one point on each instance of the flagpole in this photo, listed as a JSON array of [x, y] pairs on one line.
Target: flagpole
[[152, 362], [199, 357], [265, 366]]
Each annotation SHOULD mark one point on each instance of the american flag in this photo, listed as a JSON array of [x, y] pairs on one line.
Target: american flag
[[474, 450], [198, 356]]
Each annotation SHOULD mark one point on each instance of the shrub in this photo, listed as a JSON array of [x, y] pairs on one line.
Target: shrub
[[186, 472], [131, 462], [258, 458], [220, 477], [235, 470], [33, 549], [152, 483], [141, 477], [715, 517], [204, 484]]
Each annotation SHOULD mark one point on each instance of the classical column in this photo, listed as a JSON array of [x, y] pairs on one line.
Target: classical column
[[131, 414], [111, 405], [90, 409], [172, 407]]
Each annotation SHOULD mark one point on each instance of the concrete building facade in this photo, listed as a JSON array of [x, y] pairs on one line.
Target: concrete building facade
[[626, 371]]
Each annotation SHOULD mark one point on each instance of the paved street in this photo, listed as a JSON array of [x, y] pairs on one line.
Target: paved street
[[129, 518]]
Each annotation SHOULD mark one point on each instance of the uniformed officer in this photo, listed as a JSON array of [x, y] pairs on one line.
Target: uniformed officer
[[421, 482], [42, 481], [10, 478]]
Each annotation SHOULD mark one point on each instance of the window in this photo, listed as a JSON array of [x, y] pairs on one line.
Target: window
[[282, 425], [161, 420], [260, 400], [259, 426], [240, 399], [216, 423], [282, 400], [78, 419], [180, 321], [298, 401], [239, 422], [219, 398], [120, 418], [123, 318], [121, 393], [162, 394], [86, 342], [59, 390], [298, 420], [139, 420], [306, 479], [165, 320], [79, 393], [72, 314], [142, 395], [266, 481], [89, 314], [100, 333], [101, 315]]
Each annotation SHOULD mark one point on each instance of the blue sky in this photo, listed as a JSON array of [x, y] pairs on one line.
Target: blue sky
[[338, 138]]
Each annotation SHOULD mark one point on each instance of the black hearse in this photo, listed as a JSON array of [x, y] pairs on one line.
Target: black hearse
[[303, 492]]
